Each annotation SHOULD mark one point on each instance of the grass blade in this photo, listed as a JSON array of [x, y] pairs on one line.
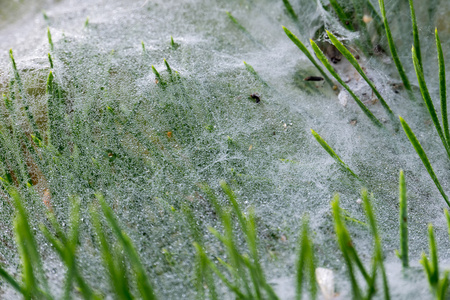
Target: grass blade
[[332, 153], [231, 286], [169, 69], [33, 271], [28, 276], [433, 254], [50, 41], [349, 56], [441, 293], [9, 279], [423, 156], [427, 99], [442, 88], [203, 273], [235, 257], [71, 250], [233, 19], [431, 266], [345, 20], [23, 95], [305, 51], [241, 266], [392, 48], [447, 217], [143, 281], [415, 31], [290, 10], [116, 282], [237, 210], [345, 242], [330, 69], [173, 44], [56, 114], [244, 31], [257, 270], [50, 60], [306, 262], [255, 74], [159, 80], [378, 256], [403, 254]]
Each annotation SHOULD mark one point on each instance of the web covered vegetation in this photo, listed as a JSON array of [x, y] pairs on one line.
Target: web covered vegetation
[[94, 180]]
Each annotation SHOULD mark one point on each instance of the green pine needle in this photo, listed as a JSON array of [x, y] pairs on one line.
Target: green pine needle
[[415, 31], [427, 99], [50, 41], [333, 154], [393, 49], [342, 16], [330, 69], [290, 10], [305, 51], [403, 221], [349, 56], [423, 156], [442, 88]]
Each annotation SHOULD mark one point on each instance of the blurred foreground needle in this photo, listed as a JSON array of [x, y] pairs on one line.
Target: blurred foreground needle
[[325, 280]]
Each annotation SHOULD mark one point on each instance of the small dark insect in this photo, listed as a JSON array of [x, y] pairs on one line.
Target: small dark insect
[[256, 97], [313, 78]]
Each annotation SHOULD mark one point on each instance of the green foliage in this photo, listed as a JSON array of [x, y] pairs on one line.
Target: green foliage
[[255, 74], [34, 284], [423, 156], [321, 56], [56, 108], [403, 254], [173, 44], [442, 88], [306, 263], [143, 282], [305, 51], [438, 285], [342, 16], [50, 60], [415, 31], [333, 154], [66, 247], [249, 281], [25, 147], [393, 49], [244, 30], [23, 96], [351, 257], [49, 36], [349, 56], [159, 79], [427, 99], [290, 10]]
